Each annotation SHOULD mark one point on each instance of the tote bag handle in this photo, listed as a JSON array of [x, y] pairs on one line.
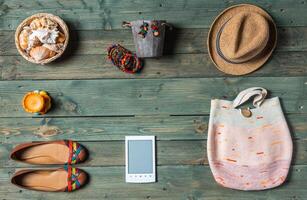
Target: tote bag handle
[[259, 93]]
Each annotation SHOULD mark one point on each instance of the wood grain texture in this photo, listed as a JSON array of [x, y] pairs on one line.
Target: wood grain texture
[[187, 152], [282, 64], [112, 153], [186, 57], [85, 15], [188, 41], [146, 96], [17, 130], [174, 182], [169, 99]]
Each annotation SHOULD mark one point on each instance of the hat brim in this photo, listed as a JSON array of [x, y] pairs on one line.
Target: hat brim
[[251, 65]]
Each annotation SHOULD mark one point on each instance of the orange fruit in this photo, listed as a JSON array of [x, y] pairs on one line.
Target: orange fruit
[[36, 102]]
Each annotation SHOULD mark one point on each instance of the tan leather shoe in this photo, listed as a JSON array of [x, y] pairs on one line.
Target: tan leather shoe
[[54, 152], [51, 180]]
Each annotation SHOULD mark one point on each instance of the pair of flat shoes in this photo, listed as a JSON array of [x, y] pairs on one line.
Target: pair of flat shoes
[[65, 152]]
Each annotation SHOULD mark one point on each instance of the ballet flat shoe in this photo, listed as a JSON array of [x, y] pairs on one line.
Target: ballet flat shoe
[[51, 152], [65, 179]]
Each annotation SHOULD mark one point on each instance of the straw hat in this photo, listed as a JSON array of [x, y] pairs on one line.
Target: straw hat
[[241, 39], [61, 26]]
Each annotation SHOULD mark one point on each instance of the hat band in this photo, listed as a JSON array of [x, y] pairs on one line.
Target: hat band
[[218, 48]]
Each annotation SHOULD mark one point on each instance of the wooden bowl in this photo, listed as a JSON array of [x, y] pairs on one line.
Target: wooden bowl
[[62, 27]]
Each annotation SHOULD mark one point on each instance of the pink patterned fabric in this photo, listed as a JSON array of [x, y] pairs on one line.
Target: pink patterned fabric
[[249, 153]]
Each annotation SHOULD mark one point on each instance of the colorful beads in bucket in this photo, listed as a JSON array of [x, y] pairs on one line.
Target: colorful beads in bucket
[[148, 36]]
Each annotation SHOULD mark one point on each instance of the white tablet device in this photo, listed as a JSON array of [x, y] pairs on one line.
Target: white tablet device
[[140, 159]]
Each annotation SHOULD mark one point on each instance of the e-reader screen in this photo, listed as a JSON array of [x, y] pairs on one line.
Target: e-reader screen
[[140, 156]]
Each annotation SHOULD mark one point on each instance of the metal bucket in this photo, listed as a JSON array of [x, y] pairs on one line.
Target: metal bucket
[[148, 43]]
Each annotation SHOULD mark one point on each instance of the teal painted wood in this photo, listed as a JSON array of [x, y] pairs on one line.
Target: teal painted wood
[[17, 130], [190, 59], [282, 64], [91, 15], [182, 41], [95, 111], [175, 182], [107, 153], [185, 152], [147, 96]]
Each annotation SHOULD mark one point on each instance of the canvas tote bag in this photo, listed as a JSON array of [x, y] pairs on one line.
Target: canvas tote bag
[[249, 149]]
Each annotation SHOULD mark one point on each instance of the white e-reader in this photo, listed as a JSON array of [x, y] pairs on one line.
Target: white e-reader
[[140, 159]]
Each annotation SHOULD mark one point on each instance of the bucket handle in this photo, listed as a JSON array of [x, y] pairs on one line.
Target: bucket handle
[[170, 27], [127, 24]]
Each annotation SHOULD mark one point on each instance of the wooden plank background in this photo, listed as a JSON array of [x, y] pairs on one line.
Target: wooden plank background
[[97, 105]]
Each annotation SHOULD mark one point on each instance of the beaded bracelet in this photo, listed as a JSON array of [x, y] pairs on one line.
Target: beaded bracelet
[[124, 59]]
